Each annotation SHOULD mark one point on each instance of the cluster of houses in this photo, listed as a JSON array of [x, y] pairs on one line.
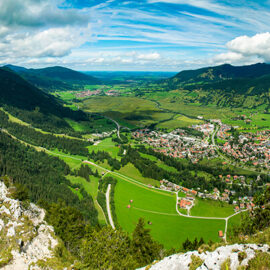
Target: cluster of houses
[[206, 129], [223, 132], [112, 92], [177, 143], [88, 93], [187, 202], [251, 148]]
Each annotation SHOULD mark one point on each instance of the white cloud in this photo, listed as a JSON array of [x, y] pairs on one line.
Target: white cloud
[[246, 50], [53, 42], [36, 13], [149, 56], [32, 29], [258, 45]]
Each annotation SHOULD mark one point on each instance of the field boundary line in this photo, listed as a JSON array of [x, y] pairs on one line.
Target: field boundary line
[[155, 212]]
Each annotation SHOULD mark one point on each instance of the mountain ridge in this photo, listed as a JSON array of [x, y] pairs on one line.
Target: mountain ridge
[[54, 78], [225, 85]]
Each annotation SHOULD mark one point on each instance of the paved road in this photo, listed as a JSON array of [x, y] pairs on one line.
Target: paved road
[[108, 206], [226, 219], [118, 126], [126, 178]]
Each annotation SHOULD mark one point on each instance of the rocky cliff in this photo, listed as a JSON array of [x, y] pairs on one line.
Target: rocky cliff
[[233, 257], [25, 238]]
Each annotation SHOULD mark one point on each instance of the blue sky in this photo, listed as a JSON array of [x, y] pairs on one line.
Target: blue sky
[[163, 35]]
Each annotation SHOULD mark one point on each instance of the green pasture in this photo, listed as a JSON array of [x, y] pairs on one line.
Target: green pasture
[[65, 95], [179, 121], [77, 192], [211, 208], [132, 110], [106, 145], [92, 189], [234, 221], [159, 162], [73, 161], [167, 227], [118, 104], [131, 171]]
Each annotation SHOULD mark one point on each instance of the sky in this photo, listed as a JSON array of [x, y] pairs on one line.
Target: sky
[[135, 35]]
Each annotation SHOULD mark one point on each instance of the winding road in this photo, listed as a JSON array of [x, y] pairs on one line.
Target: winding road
[[226, 219], [131, 180], [117, 124]]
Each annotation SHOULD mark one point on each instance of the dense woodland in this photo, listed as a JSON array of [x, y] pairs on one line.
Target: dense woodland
[[48, 141], [42, 175]]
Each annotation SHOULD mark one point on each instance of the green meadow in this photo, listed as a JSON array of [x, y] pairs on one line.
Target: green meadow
[[211, 208], [167, 226], [106, 145]]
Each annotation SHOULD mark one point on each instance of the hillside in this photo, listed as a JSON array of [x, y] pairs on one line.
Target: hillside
[[221, 73], [225, 85], [55, 78], [32, 105]]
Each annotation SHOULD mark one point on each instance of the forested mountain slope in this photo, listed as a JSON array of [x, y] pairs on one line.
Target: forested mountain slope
[[33, 105], [54, 78], [221, 73], [225, 85]]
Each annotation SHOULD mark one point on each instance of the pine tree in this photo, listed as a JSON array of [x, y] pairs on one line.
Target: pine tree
[[187, 245], [145, 249], [195, 243], [201, 242]]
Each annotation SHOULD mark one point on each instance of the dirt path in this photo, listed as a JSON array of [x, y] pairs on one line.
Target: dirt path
[[108, 206], [135, 182]]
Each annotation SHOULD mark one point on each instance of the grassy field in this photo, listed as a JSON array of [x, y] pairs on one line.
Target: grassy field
[[77, 192], [167, 227], [132, 110], [210, 208], [179, 121], [85, 126], [131, 171], [235, 220], [159, 162], [92, 189], [106, 145]]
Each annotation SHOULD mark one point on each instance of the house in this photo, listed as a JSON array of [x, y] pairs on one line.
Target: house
[[185, 189], [220, 234], [236, 209]]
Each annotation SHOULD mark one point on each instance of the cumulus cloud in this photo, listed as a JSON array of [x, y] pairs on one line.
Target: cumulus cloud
[[52, 42], [36, 13], [246, 50], [40, 28], [258, 45]]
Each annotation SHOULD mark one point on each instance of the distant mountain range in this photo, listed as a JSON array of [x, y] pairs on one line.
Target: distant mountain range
[[226, 85], [54, 78]]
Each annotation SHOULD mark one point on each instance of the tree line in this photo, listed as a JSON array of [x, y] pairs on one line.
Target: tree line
[[49, 141], [42, 175]]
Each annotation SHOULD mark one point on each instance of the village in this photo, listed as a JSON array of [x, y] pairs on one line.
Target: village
[[188, 200], [178, 143], [249, 148], [98, 92]]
